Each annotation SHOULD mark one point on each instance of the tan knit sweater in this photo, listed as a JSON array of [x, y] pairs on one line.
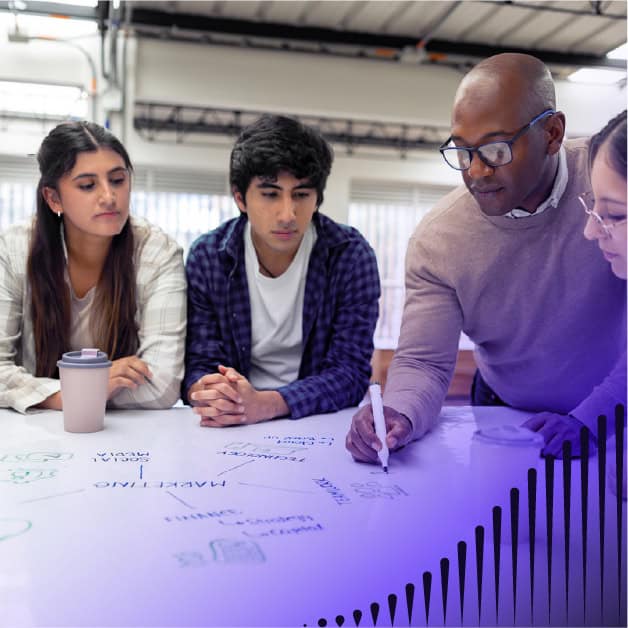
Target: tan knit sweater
[[540, 302]]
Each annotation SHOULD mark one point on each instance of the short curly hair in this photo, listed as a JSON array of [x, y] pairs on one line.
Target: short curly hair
[[274, 144]]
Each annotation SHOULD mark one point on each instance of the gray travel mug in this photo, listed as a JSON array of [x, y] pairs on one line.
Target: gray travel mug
[[84, 383]]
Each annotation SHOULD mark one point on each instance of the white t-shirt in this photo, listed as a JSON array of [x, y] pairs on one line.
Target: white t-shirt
[[80, 331], [276, 315]]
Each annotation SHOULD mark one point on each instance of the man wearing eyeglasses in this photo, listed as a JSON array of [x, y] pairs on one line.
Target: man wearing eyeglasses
[[503, 259]]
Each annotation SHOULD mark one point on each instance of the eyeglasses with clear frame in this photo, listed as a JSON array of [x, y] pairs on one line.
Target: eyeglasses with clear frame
[[493, 154], [605, 224]]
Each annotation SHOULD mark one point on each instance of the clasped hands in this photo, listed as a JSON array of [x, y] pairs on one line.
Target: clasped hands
[[228, 398]]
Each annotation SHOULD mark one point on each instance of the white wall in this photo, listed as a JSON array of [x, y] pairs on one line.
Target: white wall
[[296, 83], [312, 84]]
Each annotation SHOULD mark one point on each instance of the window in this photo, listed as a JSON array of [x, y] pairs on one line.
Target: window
[[387, 214], [184, 204], [18, 184]]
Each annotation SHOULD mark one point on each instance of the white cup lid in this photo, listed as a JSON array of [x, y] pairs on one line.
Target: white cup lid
[[509, 435]]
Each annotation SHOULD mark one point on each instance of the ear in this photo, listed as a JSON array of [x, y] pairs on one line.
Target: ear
[[555, 130], [239, 199], [51, 196]]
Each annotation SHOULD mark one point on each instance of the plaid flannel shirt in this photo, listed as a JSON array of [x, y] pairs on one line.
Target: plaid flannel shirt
[[339, 315]]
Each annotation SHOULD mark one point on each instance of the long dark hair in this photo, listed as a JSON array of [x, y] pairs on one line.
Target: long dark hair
[[113, 321], [613, 137]]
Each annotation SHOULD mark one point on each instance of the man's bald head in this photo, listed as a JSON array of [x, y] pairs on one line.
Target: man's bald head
[[510, 80], [500, 100]]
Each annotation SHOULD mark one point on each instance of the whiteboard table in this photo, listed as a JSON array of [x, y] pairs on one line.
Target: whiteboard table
[[157, 522]]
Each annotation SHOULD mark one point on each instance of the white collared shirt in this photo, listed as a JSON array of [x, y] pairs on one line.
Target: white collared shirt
[[560, 183]]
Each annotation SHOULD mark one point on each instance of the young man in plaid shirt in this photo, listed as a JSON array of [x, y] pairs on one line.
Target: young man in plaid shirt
[[282, 301]]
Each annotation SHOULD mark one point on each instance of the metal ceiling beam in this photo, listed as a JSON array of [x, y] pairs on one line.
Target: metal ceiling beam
[[155, 120], [599, 12], [192, 23]]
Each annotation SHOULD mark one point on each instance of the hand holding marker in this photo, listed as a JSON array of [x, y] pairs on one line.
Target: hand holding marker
[[380, 422]]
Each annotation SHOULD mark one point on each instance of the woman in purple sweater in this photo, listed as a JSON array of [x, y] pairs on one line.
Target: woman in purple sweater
[[605, 205]]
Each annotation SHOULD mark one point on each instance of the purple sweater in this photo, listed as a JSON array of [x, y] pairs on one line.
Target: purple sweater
[[541, 304]]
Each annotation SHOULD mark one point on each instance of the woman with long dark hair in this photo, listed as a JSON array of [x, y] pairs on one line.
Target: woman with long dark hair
[[85, 274]]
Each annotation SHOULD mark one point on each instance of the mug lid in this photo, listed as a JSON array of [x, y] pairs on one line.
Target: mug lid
[[509, 435], [85, 358]]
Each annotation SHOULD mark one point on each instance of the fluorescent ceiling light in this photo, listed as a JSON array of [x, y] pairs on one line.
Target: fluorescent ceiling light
[[74, 3], [619, 52], [597, 76], [54, 27], [43, 100]]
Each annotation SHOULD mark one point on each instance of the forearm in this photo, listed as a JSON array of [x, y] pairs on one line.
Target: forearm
[[269, 404], [22, 391], [416, 390], [54, 402], [332, 390], [161, 392], [603, 399], [423, 364]]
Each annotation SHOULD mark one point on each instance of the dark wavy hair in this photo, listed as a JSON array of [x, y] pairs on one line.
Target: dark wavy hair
[[613, 137], [113, 322], [273, 144]]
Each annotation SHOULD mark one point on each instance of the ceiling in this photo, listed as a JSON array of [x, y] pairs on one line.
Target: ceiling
[[565, 34], [561, 32]]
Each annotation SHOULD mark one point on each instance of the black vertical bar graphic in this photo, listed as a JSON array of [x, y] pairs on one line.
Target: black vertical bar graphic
[[410, 601], [549, 514], [601, 487], [427, 593], [619, 468], [514, 535], [497, 544], [479, 564], [444, 584], [462, 568], [532, 532], [392, 607], [340, 620], [567, 516], [374, 612], [357, 616], [584, 489]]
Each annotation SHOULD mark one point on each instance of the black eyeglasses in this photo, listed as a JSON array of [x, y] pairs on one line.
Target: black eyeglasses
[[493, 154]]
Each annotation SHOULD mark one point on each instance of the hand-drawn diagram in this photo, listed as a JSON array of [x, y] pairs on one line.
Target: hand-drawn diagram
[[263, 452], [35, 456], [236, 551], [225, 551], [191, 559], [376, 490], [336, 493], [26, 476], [162, 484], [10, 528], [304, 441], [122, 456]]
